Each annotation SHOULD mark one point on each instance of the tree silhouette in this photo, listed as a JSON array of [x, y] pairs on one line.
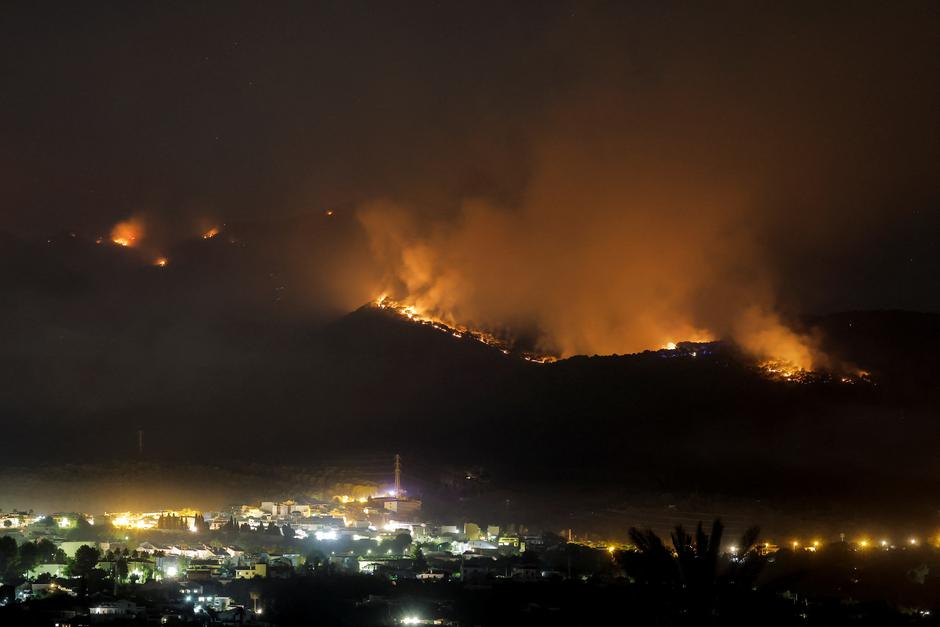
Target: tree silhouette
[[420, 563], [7, 558], [693, 578], [655, 563], [120, 569], [28, 557], [86, 558]]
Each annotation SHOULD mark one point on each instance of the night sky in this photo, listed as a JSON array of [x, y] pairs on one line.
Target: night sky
[[601, 177]]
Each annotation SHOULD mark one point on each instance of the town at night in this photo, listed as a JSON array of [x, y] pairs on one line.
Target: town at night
[[563, 313], [383, 561]]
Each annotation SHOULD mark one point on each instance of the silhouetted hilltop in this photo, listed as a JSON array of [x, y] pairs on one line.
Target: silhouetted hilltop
[[667, 415], [213, 358]]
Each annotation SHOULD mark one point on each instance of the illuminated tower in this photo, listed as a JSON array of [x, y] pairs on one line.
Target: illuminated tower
[[397, 475]]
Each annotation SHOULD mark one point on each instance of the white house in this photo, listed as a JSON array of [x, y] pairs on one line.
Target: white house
[[115, 608]]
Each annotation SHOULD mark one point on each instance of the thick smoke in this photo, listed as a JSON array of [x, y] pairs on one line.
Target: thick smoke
[[677, 188], [621, 242], [605, 177]]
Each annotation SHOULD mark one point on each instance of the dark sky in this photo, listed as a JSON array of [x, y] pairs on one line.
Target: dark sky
[[187, 112], [611, 175]]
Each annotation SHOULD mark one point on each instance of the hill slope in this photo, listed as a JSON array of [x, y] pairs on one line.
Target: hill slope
[[205, 358]]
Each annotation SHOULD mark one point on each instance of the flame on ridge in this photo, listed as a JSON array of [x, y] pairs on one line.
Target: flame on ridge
[[459, 331], [775, 369]]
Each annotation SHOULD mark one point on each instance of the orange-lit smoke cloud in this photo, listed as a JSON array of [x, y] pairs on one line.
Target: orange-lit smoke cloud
[[620, 243], [762, 334], [680, 177], [128, 233]]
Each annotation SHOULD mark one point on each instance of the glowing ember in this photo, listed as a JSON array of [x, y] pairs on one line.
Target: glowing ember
[[210, 233], [781, 370], [784, 371], [160, 261]]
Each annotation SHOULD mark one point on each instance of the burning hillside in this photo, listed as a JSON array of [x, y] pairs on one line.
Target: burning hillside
[[127, 233], [775, 369], [507, 347]]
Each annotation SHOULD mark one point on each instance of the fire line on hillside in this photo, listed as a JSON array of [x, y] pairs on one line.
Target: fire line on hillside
[[460, 331], [775, 370]]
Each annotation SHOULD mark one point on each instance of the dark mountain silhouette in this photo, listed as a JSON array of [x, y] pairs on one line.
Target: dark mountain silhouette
[[662, 410], [213, 366]]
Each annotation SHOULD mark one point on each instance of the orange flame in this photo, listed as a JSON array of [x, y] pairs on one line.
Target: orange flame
[[210, 233], [127, 233], [782, 352], [457, 330]]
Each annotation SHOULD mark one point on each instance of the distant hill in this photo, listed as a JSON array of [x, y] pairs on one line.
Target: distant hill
[[665, 414], [215, 360]]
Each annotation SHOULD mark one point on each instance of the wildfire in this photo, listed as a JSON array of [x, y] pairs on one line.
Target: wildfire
[[781, 370], [127, 233], [784, 370], [160, 262], [459, 331], [210, 233]]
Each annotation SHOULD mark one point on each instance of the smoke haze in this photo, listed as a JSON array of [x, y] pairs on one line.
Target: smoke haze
[[669, 184], [592, 177]]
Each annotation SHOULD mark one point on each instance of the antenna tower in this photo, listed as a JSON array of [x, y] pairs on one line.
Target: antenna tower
[[397, 475]]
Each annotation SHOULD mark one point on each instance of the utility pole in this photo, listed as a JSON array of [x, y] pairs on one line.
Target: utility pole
[[397, 475], [140, 442]]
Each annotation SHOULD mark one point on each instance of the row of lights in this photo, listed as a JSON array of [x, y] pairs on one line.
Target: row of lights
[[885, 544], [815, 544], [812, 547]]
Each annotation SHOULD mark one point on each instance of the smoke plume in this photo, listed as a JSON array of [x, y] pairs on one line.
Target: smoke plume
[[620, 243], [669, 188]]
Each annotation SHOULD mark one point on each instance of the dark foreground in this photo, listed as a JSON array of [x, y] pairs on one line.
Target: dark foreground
[[652, 585]]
